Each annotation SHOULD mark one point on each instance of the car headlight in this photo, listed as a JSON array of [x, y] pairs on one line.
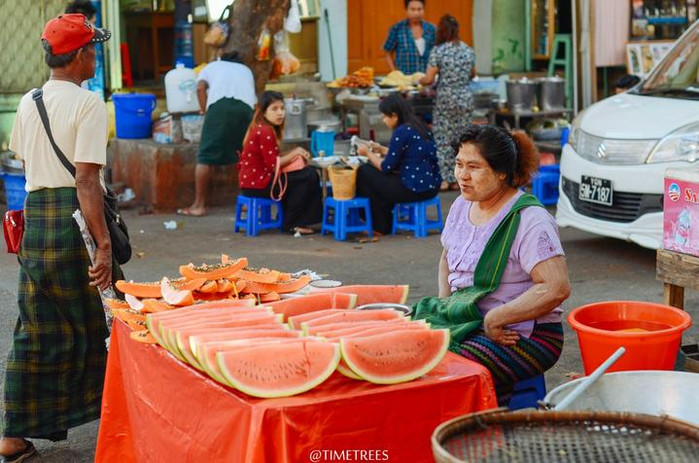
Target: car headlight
[[680, 145], [574, 135]]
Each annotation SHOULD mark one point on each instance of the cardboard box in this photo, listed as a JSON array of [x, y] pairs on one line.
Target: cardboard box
[[681, 211]]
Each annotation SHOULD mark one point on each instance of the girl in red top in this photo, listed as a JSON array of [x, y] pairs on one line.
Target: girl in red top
[[302, 201]]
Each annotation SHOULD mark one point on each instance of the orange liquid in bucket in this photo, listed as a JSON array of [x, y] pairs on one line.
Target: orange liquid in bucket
[[651, 334]]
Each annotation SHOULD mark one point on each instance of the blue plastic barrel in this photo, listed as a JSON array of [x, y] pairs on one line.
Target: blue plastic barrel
[[14, 190], [133, 114], [322, 141]]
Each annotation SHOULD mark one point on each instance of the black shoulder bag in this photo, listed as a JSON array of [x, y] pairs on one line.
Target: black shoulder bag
[[118, 232]]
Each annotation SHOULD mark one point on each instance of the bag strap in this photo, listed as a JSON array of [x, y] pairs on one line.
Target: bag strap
[[281, 179], [38, 96], [227, 9]]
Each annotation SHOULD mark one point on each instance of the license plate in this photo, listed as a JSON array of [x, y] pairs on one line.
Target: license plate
[[596, 190]]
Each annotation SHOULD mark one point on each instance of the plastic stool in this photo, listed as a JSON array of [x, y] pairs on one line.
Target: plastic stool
[[413, 217], [528, 392], [346, 217], [545, 184], [258, 216], [566, 61]]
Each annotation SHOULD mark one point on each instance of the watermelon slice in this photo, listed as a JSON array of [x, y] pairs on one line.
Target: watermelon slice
[[169, 331], [371, 330], [206, 353], [370, 294], [281, 331], [281, 369], [353, 316], [397, 357], [312, 303], [315, 330], [296, 320], [183, 336]]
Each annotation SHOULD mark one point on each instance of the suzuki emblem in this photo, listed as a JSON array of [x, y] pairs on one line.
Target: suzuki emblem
[[602, 151]]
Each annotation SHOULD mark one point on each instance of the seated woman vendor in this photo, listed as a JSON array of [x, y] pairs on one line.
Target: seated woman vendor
[[502, 273], [302, 198], [405, 171]]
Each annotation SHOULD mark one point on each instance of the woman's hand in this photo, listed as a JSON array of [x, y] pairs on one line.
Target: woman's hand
[[363, 150], [495, 331], [298, 151]]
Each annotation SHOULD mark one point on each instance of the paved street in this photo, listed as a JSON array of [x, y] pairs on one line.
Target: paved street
[[600, 269]]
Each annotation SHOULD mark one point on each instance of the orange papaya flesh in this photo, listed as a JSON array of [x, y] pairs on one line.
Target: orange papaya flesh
[[213, 272]]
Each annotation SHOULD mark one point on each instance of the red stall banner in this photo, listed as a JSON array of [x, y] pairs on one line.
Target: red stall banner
[[156, 408]]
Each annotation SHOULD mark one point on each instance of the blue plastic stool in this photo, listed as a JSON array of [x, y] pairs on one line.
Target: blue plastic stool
[[258, 216], [528, 392], [413, 217], [322, 141], [545, 184], [345, 217]]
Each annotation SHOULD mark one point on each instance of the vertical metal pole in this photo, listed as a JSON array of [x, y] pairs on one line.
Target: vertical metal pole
[[528, 35], [330, 41]]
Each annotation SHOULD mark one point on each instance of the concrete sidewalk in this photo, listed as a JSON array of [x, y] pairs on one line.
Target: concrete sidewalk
[[600, 269]]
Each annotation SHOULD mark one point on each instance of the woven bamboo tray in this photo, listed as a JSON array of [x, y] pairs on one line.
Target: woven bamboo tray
[[553, 437]]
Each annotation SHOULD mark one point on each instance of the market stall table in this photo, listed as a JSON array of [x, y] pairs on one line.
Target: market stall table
[[156, 408], [677, 271]]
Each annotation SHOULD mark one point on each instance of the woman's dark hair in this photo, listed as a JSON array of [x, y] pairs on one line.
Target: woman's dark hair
[[448, 30], [510, 153], [396, 104], [83, 7], [407, 2], [265, 101], [231, 57], [57, 61]]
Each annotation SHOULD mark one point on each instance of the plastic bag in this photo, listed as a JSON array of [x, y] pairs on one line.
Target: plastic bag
[[292, 24], [264, 43], [218, 32], [285, 62]]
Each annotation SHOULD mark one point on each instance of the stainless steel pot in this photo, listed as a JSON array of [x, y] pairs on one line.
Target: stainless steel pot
[[551, 93], [296, 123], [521, 94], [656, 393]]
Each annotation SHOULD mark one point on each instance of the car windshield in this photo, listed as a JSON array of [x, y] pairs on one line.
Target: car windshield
[[678, 74]]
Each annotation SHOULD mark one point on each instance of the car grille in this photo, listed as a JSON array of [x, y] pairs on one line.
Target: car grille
[[612, 152], [625, 208]]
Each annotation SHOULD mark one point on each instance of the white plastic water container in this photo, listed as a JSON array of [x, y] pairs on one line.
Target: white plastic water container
[[181, 90]]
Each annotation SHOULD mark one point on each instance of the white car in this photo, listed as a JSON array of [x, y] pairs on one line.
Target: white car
[[612, 168]]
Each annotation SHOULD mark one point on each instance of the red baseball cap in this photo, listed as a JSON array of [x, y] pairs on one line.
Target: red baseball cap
[[69, 32]]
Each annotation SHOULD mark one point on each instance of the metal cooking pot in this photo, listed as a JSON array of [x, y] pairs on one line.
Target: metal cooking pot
[[296, 122], [521, 94], [656, 393], [552, 93]]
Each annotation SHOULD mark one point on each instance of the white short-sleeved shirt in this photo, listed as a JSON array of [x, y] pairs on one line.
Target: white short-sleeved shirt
[[78, 120], [228, 80]]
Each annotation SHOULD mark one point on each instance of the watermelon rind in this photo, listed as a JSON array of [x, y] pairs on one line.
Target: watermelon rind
[[389, 379], [275, 393], [344, 370]]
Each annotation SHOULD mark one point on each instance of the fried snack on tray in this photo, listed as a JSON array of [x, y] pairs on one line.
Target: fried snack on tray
[[361, 78]]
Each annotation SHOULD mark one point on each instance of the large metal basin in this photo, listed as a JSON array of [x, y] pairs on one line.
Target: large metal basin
[[673, 393]]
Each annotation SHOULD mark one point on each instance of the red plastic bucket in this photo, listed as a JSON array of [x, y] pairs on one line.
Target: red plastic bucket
[[651, 334]]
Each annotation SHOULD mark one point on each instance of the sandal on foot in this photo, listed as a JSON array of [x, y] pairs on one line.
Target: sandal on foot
[[23, 455], [304, 231]]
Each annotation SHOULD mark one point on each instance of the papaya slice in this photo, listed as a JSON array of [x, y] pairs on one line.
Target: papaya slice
[[269, 297], [115, 304], [155, 306], [213, 272], [280, 287], [284, 277], [152, 289], [135, 320], [174, 296], [225, 285], [209, 287], [263, 275], [143, 336]]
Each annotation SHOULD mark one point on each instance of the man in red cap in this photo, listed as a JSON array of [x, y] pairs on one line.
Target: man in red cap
[[55, 369]]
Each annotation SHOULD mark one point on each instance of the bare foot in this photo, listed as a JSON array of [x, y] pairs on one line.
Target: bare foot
[[304, 230], [444, 186], [192, 212], [11, 446], [454, 186]]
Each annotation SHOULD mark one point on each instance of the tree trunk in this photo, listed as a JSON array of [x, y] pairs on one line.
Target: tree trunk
[[248, 18]]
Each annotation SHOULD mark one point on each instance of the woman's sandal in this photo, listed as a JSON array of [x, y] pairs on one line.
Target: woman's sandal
[[304, 231], [26, 453]]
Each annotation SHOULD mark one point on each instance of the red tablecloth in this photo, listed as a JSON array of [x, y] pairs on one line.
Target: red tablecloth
[[157, 409]]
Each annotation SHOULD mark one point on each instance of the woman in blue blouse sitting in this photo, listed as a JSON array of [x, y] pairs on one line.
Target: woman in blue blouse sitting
[[405, 171]]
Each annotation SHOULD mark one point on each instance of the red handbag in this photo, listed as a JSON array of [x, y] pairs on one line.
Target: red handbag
[[13, 226], [280, 177]]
